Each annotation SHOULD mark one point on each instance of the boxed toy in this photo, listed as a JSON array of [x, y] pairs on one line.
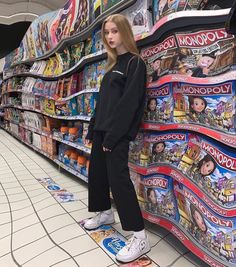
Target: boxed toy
[[159, 104], [163, 8], [205, 53], [73, 85], [51, 146], [212, 231], [101, 70], [73, 106], [139, 17], [106, 4], [209, 105], [49, 106], [159, 196], [80, 104], [90, 100], [97, 41], [212, 167], [139, 151], [160, 59], [62, 109], [77, 52], [90, 76], [88, 46], [85, 131], [166, 147]]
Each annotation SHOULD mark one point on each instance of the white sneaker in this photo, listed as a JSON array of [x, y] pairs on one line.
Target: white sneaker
[[134, 248], [103, 217]]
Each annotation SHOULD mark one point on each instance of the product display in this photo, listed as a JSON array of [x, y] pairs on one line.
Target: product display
[[183, 160]]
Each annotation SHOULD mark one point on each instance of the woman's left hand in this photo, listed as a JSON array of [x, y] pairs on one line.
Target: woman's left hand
[[106, 149]]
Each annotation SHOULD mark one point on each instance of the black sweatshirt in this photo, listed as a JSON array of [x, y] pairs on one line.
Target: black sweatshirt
[[121, 101]]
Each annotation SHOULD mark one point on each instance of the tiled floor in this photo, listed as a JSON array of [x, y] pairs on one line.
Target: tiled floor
[[38, 231]]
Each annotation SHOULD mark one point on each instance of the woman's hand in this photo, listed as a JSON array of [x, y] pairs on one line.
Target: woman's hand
[[87, 142], [106, 149]]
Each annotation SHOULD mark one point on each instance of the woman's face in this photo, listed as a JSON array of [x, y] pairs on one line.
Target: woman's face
[[112, 35], [160, 147], [152, 105], [207, 167], [199, 221], [198, 105], [152, 197]]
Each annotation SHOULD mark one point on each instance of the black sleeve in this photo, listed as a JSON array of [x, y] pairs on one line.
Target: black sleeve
[[129, 103]]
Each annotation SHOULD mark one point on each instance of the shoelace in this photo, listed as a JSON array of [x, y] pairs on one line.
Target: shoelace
[[130, 242]]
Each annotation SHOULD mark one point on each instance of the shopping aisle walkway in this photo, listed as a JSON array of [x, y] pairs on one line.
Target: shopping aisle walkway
[[36, 230]]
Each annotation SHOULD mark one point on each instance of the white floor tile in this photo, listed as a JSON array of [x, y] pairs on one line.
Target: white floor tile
[[19, 214], [73, 206], [33, 249], [48, 258], [159, 254], [5, 245], [7, 261], [50, 212], [183, 263], [81, 214], [58, 222], [74, 248], [28, 235], [67, 232], [5, 230], [91, 259], [25, 222]]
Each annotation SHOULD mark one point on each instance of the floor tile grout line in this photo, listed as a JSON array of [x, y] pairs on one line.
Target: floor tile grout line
[[38, 215], [76, 255], [60, 243], [11, 238]]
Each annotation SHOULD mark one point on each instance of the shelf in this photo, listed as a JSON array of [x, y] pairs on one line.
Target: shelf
[[178, 231], [82, 35], [180, 177], [72, 171], [227, 139], [77, 117], [79, 65], [72, 144]]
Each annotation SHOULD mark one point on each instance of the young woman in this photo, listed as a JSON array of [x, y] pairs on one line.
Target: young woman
[[118, 115]]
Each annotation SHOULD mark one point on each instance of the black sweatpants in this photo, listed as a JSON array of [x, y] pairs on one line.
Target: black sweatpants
[[110, 170]]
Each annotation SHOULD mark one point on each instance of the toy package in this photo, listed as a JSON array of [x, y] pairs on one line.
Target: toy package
[[148, 149], [160, 59], [106, 4], [88, 46], [139, 17], [163, 8], [82, 15], [212, 167], [159, 104], [49, 106], [90, 100], [212, 231], [101, 65], [209, 105], [90, 77], [97, 44], [80, 104], [73, 106], [159, 196], [73, 84], [63, 59], [205, 53], [77, 52], [62, 109]]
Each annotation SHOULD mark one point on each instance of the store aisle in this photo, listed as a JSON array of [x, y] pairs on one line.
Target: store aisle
[[37, 230]]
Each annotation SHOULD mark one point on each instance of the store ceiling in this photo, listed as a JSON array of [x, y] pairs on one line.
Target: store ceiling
[[16, 16], [12, 11]]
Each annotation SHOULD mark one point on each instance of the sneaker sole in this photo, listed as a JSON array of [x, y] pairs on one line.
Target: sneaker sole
[[90, 229], [145, 252]]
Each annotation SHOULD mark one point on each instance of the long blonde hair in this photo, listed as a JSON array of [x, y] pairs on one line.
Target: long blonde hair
[[127, 37]]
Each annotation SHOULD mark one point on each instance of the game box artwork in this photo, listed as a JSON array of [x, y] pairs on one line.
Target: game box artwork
[[160, 58], [159, 196], [163, 8], [148, 149], [205, 53], [212, 167], [209, 105], [159, 104], [214, 232]]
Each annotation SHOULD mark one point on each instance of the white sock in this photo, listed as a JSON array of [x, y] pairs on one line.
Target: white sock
[[140, 234]]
